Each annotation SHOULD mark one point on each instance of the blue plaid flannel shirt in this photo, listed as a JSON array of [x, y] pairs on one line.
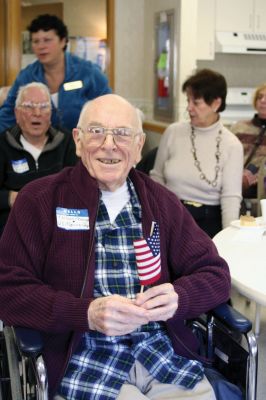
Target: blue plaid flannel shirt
[[101, 364]]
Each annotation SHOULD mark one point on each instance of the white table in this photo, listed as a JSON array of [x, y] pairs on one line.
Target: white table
[[245, 252]]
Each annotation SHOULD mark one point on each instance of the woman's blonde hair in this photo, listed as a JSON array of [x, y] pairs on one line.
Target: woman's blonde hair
[[257, 92]]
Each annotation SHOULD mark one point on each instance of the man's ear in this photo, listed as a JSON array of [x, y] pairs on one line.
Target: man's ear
[[140, 145], [77, 140], [16, 112]]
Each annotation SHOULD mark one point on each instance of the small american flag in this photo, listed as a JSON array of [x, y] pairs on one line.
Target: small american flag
[[148, 257]]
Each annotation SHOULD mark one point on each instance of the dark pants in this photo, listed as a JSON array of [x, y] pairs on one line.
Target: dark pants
[[209, 218]]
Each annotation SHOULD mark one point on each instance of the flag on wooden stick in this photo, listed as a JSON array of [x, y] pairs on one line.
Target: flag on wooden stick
[[148, 257]]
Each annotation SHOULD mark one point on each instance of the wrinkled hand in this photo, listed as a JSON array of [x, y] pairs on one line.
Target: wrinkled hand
[[116, 315], [248, 179], [12, 197], [161, 302]]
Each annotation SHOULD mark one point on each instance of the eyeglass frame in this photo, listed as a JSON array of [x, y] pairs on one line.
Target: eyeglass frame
[[29, 106], [111, 132]]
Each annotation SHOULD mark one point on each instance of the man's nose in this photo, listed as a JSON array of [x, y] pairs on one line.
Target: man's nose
[[36, 111], [109, 139]]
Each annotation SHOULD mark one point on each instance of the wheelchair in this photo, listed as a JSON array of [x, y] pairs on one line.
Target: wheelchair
[[225, 335], [147, 161]]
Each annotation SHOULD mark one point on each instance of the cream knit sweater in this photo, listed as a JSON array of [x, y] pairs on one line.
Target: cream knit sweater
[[174, 167]]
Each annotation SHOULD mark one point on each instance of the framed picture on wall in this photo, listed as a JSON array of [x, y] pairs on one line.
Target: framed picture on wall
[[164, 66]]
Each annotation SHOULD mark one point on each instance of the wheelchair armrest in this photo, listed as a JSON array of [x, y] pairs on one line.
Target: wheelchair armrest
[[29, 341], [232, 318]]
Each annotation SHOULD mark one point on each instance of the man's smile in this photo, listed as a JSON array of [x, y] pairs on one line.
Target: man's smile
[[109, 160]]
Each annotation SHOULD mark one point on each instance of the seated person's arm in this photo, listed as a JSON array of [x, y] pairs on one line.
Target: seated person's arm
[[12, 197], [250, 176]]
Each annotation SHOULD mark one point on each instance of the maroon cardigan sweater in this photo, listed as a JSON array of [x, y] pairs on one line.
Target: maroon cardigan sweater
[[47, 273]]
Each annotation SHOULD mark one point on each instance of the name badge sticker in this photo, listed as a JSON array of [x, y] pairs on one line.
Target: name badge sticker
[[20, 166], [72, 219], [73, 85]]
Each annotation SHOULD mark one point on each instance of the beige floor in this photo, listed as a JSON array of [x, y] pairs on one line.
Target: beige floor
[[248, 310]]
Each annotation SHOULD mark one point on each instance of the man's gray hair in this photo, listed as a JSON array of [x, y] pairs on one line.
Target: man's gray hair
[[24, 88]]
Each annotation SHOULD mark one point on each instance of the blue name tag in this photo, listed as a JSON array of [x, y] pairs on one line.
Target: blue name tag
[[20, 166], [72, 219]]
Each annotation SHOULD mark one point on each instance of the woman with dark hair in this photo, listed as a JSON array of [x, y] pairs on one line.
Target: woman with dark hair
[[71, 80], [200, 160]]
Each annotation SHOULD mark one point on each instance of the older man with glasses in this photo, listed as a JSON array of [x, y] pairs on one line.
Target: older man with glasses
[[32, 148], [108, 264]]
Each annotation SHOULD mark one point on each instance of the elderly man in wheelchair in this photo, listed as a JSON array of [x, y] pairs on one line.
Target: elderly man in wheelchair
[[111, 269]]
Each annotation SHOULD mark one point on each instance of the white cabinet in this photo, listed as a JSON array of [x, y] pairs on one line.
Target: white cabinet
[[240, 15], [259, 16], [205, 29], [234, 16], [247, 16]]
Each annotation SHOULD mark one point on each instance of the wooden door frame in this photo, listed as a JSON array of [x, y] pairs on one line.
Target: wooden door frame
[[2, 44], [10, 40], [110, 20]]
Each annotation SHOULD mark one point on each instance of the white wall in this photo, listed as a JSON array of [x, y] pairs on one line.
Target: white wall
[[239, 69], [130, 61], [135, 49], [187, 52]]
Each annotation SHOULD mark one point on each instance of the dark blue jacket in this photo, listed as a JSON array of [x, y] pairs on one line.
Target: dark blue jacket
[[18, 167], [94, 83]]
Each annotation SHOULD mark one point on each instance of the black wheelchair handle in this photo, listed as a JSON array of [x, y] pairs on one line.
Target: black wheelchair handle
[[29, 341], [232, 318]]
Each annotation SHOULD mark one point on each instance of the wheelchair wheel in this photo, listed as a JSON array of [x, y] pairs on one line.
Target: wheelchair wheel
[[5, 388], [13, 363]]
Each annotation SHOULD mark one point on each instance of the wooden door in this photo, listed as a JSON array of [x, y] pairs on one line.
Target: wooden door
[[2, 44], [10, 41]]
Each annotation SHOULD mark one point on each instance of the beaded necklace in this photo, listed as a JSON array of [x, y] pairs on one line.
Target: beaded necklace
[[217, 156]]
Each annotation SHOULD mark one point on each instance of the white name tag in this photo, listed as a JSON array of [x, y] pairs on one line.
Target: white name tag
[[72, 219], [20, 166], [73, 85]]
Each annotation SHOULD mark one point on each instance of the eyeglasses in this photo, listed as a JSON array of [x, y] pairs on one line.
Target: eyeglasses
[[122, 136], [30, 106]]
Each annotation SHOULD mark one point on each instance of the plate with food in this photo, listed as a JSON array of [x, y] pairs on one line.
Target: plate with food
[[249, 222]]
